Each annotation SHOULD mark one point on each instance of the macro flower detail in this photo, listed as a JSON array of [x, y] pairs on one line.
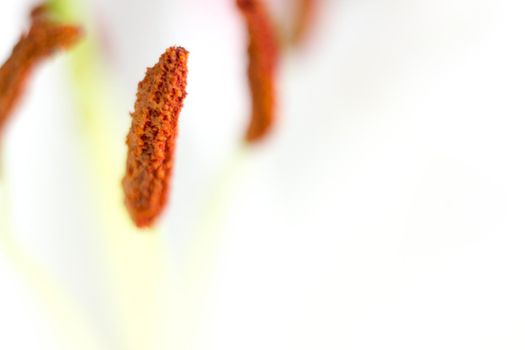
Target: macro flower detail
[[263, 57], [43, 38], [151, 139]]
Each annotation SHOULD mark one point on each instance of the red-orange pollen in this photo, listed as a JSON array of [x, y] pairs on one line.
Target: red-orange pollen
[[151, 139]]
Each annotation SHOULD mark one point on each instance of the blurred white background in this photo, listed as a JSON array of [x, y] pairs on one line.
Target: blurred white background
[[385, 212]]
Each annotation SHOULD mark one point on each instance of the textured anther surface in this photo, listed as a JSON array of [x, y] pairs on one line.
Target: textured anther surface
[[151, 139]]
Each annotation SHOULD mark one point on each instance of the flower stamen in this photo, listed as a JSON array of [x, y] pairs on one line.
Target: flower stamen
[[43, 39], [263, 57], [151, 139]]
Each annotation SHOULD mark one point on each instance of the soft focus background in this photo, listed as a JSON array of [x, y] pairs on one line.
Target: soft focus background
[[385, 212]]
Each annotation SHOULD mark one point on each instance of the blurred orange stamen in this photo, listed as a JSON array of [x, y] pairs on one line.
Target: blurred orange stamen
[[263, 56], [42, 40]]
